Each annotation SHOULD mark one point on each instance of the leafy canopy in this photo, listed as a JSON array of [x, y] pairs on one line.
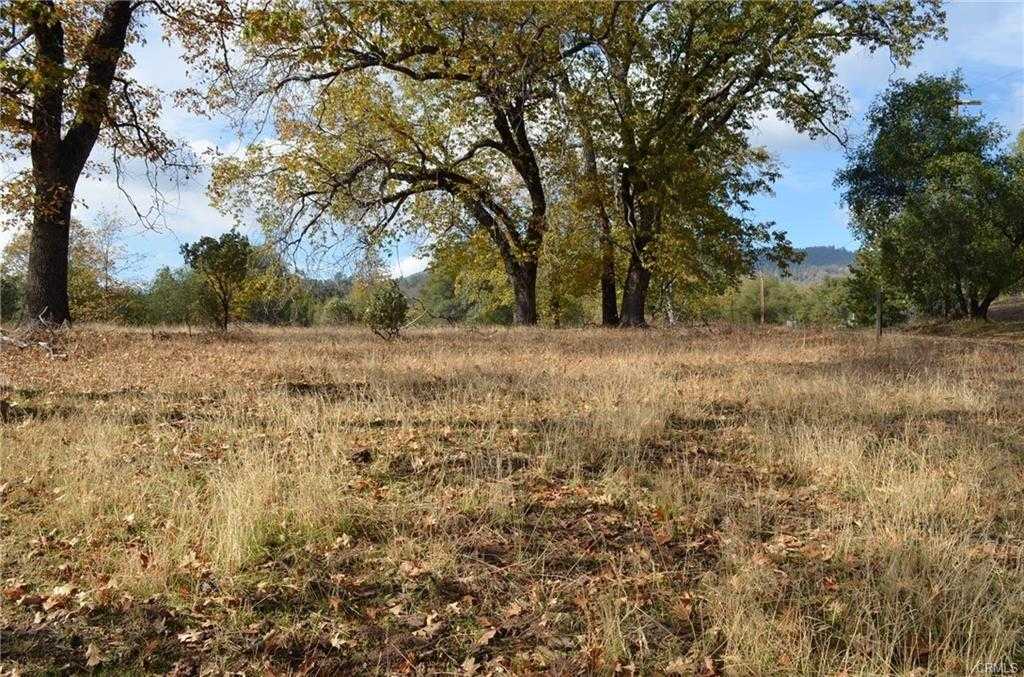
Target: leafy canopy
[[937, 198]]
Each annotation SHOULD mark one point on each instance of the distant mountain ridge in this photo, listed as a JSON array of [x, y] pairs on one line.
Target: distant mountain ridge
[[818, 264]]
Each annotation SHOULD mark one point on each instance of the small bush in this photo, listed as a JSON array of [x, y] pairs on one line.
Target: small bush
[[385, 312], [335, 311]]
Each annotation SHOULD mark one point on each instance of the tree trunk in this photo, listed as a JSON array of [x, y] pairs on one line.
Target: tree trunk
[[609, 297], [961, 299], [225, 313], [609, 300], [46, 281], [979, 310], [634, 294], [670, 306], [57, 163], [523, 276], [642, 221]]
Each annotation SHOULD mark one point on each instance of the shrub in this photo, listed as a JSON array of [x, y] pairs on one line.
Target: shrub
[[335, 312], [385, 312]]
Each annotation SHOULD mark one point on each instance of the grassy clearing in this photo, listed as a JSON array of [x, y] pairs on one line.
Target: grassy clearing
[[559, 501]]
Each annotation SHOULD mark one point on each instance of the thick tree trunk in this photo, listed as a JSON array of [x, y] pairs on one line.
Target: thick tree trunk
[[634, 294], [523, 276], [46, 281], [57, 162], [642, 220], [609, 300]]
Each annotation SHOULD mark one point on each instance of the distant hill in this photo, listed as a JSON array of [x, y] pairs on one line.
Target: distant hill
[[818, 263], [412, 285]]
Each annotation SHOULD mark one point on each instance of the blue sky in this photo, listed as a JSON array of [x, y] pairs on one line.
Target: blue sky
[[986, 42]]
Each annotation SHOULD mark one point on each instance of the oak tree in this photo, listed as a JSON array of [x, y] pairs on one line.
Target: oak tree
[[66, 86], [932, 191], [685, 82], [388, 115]]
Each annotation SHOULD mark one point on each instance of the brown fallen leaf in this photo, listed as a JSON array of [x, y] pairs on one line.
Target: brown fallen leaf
[[679, 666], [664, 534], [29, 601], [486, 636], [190, 636], [15, 592], [432, 627], [708, 669], [412, 569], [93, 657]]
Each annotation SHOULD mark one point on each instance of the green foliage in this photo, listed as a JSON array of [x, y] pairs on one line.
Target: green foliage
[[861, 289], [833, 302], [223, 265], [370, 274], [825, 304], [476, 276], [273, 294], [385, 312], [936, 200], [11, 293], [173, 297], [783, 301], [439, 298], [334, 312]]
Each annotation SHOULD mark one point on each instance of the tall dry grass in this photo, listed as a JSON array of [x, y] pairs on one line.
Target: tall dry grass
[[747, 502]]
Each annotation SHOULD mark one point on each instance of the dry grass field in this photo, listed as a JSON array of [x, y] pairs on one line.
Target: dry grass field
[[704, 502]]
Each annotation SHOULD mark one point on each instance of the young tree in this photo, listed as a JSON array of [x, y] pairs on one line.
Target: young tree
[[114, 259], [386, 310], [931, 191], [684, 82], [223, 264], [65, 86]]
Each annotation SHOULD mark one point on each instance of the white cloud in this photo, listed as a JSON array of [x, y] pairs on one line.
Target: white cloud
[[777, 134], [409, 265]]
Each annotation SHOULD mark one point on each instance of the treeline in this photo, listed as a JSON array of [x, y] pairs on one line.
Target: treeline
[[227, 280], [265, 289]]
